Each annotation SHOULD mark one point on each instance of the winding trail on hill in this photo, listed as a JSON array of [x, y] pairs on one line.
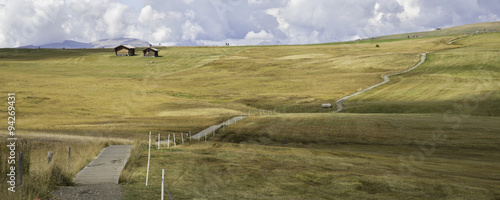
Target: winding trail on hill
[[99, 179], [340, 107], [339, 102]]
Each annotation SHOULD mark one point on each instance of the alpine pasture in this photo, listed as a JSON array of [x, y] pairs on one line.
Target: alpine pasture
[[431, 133]]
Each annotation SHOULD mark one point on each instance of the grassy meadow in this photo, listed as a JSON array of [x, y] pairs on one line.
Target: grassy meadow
[[325, 156], [464, 29], [429, 134], [458, 80], [93, 92]]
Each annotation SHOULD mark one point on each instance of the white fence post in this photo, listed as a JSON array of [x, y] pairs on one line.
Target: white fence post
[[182, 137], [149, 157], [168, 142], [174, 141], [162, 182]]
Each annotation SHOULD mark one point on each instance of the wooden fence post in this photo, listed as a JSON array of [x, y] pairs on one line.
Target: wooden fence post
[[49, 157], [190, 135], [20, 169], [182, 137], [174, 141], [158, 141], [168, 142], [69, 157]]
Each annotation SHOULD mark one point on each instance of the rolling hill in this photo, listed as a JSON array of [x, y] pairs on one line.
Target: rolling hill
[[432, 133], [491, 27]]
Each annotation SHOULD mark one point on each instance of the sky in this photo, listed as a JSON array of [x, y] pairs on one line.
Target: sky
[[238, 22]]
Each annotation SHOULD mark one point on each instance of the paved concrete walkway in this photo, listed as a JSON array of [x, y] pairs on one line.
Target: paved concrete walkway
[[106, 168], [340, 107]]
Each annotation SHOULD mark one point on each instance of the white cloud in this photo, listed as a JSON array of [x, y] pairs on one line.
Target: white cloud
[[190, 30], [114, 19], [190, 14], [276, 12], [162, 34], [148, 15], [262, 35], [411, 10], [258, 2], [237, 21]]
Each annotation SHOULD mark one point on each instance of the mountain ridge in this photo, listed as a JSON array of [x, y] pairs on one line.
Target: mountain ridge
[[104, 43]]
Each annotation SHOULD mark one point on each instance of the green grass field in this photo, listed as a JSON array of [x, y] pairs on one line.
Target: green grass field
[[429, 134]]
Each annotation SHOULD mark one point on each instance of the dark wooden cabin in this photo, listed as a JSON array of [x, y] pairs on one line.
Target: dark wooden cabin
[[124, 50], [150, 52]]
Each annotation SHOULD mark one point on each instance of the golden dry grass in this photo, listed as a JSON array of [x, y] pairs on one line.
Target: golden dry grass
[[41, 177], [460, 79], [91, 93], [457, 30], [325, 156]]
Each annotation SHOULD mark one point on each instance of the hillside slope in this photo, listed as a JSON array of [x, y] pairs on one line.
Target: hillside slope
[[456, 30], [461, 78]]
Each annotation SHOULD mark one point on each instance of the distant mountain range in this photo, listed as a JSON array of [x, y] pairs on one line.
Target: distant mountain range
[[106, 43]]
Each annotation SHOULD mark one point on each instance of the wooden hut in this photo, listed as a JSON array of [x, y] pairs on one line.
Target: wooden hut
[[124, 50], [150, 52]]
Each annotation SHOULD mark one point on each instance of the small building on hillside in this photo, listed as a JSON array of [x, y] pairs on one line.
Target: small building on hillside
[[150, 52], [326, 105], [124, 50]]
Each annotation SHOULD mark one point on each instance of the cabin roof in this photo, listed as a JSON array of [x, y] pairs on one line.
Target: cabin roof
[[126, 46], [151, 49]]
